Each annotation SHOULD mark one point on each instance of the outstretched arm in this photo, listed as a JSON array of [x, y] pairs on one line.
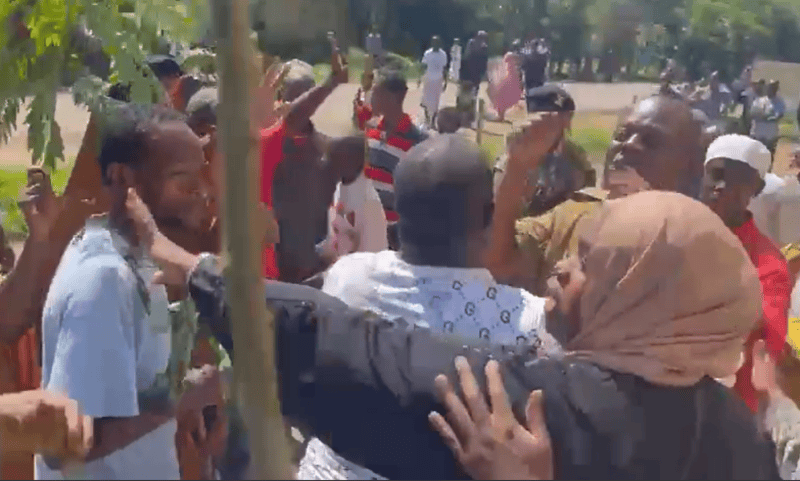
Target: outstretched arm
[[303, 108]]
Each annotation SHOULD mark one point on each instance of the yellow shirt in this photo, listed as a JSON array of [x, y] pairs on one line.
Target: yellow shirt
[[549, 238]]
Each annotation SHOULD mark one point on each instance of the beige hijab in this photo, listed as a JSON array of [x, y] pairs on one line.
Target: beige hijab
[[670, 292]]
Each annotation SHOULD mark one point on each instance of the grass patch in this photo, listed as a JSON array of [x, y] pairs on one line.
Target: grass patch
[[593, 132], [788, 129], [11, 183]]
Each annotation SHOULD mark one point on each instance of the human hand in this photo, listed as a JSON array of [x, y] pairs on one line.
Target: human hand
[[44, 422], [528, 147], [39, 204], [174, 261], [264, 111], [203, 387], [493, 445]]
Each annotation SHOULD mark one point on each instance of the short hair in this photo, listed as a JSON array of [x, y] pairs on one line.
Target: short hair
[[202, 107], [393, 81], [125, 131], [164, 66]]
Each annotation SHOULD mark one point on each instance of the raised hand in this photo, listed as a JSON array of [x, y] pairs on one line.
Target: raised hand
[[39, 204], [528, 147], [492, 444], [264, 111]]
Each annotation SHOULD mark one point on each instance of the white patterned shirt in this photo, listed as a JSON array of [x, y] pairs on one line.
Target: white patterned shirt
[[464, 302]]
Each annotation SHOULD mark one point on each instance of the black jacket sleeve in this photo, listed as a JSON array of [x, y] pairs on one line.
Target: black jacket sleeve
[[365, 386]]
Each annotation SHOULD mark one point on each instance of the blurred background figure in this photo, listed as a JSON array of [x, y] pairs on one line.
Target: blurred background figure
[[455, 61], [505, 86], [433, 79]]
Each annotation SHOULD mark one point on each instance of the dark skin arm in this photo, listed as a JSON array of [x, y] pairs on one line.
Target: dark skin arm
[[303, 108], [16, 291], [23, 290], [113, 434], [526, 152]]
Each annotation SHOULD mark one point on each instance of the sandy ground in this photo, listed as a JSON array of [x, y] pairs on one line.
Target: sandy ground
[[334, 117]]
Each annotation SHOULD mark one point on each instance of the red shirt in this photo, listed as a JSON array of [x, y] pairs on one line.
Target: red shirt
[[776, 290], [271, 154], [385, 151]]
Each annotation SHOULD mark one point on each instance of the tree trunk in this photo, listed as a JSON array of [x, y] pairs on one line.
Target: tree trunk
[[255, 384]]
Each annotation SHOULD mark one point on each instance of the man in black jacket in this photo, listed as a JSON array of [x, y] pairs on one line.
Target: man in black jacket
[[367, 385]]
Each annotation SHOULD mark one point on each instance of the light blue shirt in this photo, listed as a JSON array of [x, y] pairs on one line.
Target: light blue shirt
[[105, 337]]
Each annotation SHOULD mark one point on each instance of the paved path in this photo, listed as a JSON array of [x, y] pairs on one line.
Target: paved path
[[334, 117]]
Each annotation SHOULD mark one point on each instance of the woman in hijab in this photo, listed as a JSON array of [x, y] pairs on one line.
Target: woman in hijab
[[657, 306]]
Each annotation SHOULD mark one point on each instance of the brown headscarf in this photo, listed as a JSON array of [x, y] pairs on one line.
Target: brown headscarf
[[670, 293]]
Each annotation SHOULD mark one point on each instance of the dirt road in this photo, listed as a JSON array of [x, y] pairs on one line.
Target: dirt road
[[332, 118]]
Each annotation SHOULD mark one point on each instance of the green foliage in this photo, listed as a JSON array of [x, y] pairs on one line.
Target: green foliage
[[38, 45], [11, 183]]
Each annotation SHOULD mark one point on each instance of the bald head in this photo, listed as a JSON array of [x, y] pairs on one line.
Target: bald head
[[663, 142], [443, 192]]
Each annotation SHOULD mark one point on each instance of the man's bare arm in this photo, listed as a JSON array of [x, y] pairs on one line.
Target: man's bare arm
[[305, 106], [17, 291], [113, 434], [527, 150]]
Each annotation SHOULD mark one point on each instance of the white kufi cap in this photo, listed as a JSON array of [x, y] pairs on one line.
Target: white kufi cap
[[743, 149]]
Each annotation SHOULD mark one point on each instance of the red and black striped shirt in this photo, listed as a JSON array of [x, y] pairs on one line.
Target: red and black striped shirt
[[385, 151]]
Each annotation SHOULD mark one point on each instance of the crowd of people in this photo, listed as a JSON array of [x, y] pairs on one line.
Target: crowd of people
[[437, 317]]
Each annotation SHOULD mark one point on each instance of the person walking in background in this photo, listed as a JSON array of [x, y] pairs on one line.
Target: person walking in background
[[455, 61], [433, 79], [505, 86], [766, 113], [374, 46], [476, 60], [714, 101]]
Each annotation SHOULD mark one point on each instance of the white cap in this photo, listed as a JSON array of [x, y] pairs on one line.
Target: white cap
[[743, 149]]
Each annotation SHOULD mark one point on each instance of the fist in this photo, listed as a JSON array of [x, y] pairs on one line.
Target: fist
[[46, 423], [528, 146]]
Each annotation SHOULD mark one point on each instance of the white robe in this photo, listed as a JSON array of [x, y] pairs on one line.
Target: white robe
[[436, 62], [455, 63]]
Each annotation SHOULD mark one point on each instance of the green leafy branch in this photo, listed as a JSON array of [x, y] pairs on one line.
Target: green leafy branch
[[40, 40]]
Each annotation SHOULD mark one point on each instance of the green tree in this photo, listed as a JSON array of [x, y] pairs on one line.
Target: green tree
[[38, 45]]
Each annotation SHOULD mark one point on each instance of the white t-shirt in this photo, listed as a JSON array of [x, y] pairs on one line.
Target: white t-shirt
[[100, 348], [436, 62], [357, 213], [776, 211], [464, 302]]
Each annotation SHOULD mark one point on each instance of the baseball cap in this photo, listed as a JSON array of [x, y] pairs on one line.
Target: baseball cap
[[743, 149]]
